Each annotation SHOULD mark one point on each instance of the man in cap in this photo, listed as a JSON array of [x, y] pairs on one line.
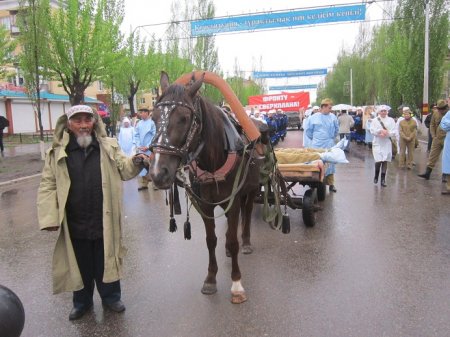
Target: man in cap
[[145, 130], [323, 129], [438, 136], [81, 194], [407, 130]]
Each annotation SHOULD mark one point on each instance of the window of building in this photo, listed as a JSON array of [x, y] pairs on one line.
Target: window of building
[[5, 22]]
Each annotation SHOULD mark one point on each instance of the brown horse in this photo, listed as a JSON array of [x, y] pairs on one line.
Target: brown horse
[[224, 168]]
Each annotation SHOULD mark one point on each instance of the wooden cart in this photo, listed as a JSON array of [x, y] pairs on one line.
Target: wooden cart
[[308, 174]]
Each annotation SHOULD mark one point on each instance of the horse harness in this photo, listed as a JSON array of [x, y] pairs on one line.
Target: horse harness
[[161, 143]]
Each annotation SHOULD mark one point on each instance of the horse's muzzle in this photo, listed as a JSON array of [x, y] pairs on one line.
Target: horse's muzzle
[[163, 170]]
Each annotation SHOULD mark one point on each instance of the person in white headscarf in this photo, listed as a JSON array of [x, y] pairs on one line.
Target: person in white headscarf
[[126, 137], [382, 128]]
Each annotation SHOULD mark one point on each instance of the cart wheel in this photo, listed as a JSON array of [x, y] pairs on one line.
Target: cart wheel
[[308, 211], [321, 191]]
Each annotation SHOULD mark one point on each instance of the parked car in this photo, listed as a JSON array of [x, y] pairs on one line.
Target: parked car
[[293, 119]]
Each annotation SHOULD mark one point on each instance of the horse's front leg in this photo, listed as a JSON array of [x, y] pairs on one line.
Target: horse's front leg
[[246, 217], [232, 245], [210, 283]]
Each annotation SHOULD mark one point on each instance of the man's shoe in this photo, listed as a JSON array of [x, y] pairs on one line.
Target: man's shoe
[[116, 306], [446, 192], [142, 188], [427, 174], [332, 188], [77, 313]]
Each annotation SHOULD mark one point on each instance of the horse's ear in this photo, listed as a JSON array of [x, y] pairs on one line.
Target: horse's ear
[[192, 90], [164, 81]]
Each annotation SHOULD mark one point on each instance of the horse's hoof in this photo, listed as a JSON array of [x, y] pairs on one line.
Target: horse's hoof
[[209, 288], [238, 297], [247, 249], [227, 252]]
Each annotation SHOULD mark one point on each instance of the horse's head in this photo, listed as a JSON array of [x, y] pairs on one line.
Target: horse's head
[[177, 128]]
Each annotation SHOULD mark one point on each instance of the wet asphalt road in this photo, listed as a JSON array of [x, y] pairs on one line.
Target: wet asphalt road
[[377, 263]]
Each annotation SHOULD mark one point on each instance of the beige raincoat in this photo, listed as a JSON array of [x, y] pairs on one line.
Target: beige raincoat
[[52, 197]]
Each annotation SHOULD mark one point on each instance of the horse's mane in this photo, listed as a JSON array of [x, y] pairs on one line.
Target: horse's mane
[[212, 135]]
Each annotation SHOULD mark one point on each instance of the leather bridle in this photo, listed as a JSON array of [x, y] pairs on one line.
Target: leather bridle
[[161, 143]]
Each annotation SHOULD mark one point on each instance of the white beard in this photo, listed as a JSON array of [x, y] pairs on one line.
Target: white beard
[[84, 141]]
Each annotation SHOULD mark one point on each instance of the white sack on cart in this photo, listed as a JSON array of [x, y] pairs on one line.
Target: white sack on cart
[[334, 155]]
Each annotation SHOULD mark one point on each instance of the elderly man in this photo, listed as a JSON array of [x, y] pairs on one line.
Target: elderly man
[[145, 130], [81, 194], [323, 129]]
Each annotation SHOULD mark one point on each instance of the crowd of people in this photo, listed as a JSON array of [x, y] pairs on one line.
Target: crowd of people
[[385, 136]]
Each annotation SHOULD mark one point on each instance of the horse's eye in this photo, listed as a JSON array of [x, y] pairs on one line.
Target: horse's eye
[[183, 120]]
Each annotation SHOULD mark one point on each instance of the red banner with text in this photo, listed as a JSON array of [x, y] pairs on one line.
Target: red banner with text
[[286, 101]]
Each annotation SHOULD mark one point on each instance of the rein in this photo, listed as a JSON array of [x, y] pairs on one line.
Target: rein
[[160, 144], [237, 186]]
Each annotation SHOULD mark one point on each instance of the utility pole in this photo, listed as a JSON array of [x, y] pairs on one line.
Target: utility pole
[[351, 86], [426, 59]]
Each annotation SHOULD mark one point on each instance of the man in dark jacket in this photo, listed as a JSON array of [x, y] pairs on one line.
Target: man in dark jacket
[[4, 123]]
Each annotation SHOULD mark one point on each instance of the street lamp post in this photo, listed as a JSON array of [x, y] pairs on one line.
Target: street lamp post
[[351, 86], [426, 59]]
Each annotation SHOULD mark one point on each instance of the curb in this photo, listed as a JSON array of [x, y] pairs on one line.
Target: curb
[[18, 180]]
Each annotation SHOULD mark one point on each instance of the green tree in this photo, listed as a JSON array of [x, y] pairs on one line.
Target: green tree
[[6, 50], [33, 29], [82, 36], [137, 68], [391, 62]]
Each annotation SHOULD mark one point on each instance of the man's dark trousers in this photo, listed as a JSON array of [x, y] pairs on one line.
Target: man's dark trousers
[[1, 141], [90, 259]]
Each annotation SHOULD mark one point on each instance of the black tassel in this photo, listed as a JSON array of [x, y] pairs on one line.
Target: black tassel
[[285, 224], [187, 230], [172, 225], [176, 200]]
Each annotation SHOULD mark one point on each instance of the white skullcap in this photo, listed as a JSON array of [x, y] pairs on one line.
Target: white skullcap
[[76, 109], [381, 107]]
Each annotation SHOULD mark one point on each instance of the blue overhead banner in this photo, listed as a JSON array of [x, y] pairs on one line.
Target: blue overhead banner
[[293, 87], [278, 20], [294, 73]]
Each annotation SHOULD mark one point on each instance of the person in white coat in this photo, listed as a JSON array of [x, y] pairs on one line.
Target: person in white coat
[[382, 128], [306, 140], [445, 126], [126, 137]]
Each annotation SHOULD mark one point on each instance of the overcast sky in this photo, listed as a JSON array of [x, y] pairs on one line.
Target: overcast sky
[[279, 50]]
